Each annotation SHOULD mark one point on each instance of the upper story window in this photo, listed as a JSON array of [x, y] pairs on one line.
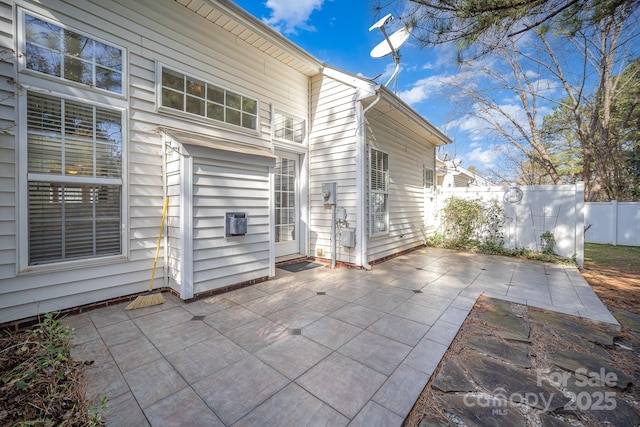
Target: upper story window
[[288, 128], [190, 95], [379, 192], [60, 52]]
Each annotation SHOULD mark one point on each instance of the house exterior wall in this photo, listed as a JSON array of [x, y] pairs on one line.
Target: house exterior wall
[[151, 32], [332, 158], [408, 155], [225, 182]]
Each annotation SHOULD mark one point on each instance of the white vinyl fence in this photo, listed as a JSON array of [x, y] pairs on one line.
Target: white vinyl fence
[[533, 210], [616, 223]]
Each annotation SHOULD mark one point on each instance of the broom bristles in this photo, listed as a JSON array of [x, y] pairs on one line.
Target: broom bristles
[[143, 301]]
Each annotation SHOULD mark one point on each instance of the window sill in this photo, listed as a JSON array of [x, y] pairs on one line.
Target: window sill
[[211, 123], [72, 265]]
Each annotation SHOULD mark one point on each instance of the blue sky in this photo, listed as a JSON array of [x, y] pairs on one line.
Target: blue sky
[[337, 32]]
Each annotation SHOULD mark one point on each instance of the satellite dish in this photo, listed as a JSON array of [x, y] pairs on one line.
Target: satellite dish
[[445, 157], [390, 44]]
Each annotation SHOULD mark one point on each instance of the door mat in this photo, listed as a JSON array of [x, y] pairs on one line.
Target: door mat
[[300, 266]]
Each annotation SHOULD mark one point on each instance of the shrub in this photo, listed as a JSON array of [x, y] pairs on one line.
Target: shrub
[[471, 223]]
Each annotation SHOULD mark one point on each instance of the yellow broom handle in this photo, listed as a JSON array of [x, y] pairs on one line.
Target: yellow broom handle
[[155, 260]]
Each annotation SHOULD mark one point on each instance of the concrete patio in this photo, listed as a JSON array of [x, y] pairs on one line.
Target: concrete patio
[[316, 347]]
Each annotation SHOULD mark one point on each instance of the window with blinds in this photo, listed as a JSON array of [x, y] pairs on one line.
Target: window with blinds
[[74, 173], [379, 192], [288, 128]]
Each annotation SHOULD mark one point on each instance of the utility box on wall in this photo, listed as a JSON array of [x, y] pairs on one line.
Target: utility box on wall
[[348, 238], [236, 224]]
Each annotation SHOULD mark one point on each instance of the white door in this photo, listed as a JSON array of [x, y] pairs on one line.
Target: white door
[[287, 209]]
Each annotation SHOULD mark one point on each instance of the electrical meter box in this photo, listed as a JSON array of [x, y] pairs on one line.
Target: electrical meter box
[[236, 224], [329, 193]]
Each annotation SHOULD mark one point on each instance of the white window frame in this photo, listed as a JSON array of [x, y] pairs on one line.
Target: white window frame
[[78, 92], [197, 117], [295, 119], [22, 61], [376, 193], [429, 183]]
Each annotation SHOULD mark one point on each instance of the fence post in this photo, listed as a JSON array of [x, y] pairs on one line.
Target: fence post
[[614, 222], [579, 218]]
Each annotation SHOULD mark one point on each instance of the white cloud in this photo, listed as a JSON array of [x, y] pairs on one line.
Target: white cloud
[[288, 18], [484, 158], [423, 89]]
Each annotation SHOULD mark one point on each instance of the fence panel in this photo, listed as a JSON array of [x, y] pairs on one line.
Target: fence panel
[[532, 210], [616, 223]]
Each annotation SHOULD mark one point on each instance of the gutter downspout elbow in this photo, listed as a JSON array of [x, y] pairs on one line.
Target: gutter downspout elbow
[[361, 178]]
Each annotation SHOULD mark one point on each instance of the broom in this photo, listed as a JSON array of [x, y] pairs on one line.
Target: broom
[[152, 298]]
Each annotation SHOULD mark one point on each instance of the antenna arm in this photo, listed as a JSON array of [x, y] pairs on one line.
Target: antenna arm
[[386, 37], [395, 73]]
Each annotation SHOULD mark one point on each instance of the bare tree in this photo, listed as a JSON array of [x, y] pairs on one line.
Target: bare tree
[[576, 65]]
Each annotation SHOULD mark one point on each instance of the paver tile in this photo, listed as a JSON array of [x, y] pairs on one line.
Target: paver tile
[[357, 315], [399, 329], [154, 381], [236, 390], [293, 406], [257, 334], [330, 332], [293, 356], [206, 357], [343, 383], [184, 408], [375, 351]]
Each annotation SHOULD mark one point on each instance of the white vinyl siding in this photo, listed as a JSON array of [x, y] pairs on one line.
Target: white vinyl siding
[[219, 186], [332, 159], [406, 184]]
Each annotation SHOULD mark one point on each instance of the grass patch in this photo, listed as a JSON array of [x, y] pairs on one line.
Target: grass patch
[[608, 256]]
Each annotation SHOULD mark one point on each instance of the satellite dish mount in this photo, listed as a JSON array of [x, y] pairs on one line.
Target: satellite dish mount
[[390, 45]]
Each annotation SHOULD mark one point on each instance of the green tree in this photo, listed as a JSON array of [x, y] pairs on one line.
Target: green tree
[[559, 135], [466, 22]]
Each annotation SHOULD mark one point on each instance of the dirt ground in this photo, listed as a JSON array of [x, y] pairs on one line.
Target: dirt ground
[[616, 287]]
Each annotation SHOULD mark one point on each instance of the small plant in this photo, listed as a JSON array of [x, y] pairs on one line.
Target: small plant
[[548, 241], [40, 384]]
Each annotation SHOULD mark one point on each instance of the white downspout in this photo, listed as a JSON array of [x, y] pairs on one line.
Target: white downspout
[[361, 179]]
